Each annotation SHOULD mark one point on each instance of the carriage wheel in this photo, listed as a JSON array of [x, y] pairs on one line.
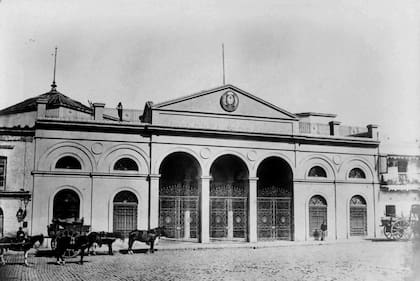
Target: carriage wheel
[[398, 229], [387, 232], [408, 233], [71, 253]]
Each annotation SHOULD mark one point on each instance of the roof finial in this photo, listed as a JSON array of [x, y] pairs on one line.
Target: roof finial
[[223, 63], [53, 85]]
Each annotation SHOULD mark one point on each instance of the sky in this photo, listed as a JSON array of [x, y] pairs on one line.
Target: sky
[[359, 59]]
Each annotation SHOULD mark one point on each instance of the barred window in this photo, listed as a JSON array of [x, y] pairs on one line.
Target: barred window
[[68, 162], [317, 171], [3, 165], [126, 164], [357, 173]]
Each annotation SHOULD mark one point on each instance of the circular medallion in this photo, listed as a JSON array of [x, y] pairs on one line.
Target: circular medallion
[[252, 155], [229, 101], [205, 153], [337, 159], [168, 219], [97, 148], [264, 219], [238, 219], [283, 219], [218, 219]]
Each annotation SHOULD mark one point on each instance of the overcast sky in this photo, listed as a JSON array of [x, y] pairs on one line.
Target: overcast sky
[[358, 59]]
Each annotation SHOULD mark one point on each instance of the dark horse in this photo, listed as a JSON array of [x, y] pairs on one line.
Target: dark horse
[[78, 244], [103, 238], [10, 243], [146, 236]]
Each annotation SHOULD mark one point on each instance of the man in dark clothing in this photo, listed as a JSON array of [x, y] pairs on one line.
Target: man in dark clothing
[[20, 235]]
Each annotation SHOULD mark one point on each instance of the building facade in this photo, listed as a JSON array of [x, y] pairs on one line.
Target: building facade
[[220, 164]]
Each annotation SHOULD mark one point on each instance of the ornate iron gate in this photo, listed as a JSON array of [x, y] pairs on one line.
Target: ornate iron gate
[[179, 215], [358, 216], [228, 211], [274, 218]]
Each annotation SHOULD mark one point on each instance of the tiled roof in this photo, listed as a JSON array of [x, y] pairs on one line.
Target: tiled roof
[[55, 99]]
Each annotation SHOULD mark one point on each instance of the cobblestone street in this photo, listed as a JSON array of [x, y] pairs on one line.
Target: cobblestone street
[[336, 261]]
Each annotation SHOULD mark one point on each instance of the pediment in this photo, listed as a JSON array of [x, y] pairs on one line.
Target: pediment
[[226, 100]]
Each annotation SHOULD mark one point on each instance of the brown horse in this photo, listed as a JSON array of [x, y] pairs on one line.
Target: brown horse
[[146, 236], [103, 238], [10, 243]]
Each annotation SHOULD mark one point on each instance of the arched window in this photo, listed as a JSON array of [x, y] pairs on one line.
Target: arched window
[[68, 162], [357, 173], [317, 214], [1, 222], [358, 216], [125, 212], [317, 171], [126, 164], [66, 205]]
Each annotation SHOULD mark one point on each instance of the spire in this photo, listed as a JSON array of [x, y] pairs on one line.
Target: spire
[[53, 85]]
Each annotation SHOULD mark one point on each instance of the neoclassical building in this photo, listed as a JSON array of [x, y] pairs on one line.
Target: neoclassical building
[[220, 164]]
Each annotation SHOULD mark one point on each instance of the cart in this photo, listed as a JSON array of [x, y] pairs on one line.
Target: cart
[[73, 228], [403, 228]]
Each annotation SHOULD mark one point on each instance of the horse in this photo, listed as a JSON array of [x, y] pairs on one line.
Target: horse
[[103, 238], [146, 236], [76, 243], [11, 243]]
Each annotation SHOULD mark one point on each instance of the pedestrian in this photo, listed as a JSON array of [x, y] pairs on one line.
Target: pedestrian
[[20, 235], [323, 230]]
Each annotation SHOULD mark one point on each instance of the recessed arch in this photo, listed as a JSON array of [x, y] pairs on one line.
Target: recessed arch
[[317, 172], [274, 199], [49, 158], [357, 173], [125, 209], [317, 214], [229, 186], [320, 161], [179, 187], [66, 205], [356, 162], [126, 164], [68, 162], [108, 159], [358, 216]]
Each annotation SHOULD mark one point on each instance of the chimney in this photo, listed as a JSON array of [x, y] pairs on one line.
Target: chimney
[[373, 131], [334, 128], [41, 107], [98, 111]]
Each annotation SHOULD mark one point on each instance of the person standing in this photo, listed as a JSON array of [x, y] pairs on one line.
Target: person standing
[[323, 230]]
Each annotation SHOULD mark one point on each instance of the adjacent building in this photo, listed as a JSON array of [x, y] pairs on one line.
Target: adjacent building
[[220, 164]]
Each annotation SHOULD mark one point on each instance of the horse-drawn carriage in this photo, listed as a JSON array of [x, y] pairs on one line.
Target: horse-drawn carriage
[[66, 228], [402, 227]]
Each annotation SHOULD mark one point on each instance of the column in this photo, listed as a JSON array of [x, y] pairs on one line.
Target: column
[[252, 210], [154, 201], [205, 209]]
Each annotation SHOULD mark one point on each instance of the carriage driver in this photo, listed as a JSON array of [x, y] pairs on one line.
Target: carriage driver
[[20, 235]]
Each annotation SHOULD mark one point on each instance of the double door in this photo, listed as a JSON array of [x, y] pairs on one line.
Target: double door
[[228, 217], [274, 218]]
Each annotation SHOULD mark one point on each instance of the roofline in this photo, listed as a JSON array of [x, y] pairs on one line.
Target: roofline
[[305, 114], [206, 92]]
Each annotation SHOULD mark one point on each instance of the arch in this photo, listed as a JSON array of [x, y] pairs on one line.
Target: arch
[[66, 205], [179, 186], [282, 156], [357, 173], [317, 214], [356, 162], [68, 162], [126, 164], [109, 158], [236, 154], [1, 222], [48, 160], [275, 199], [317, 160], [317, 171], [158, 162], [358, 216], [125, 209], [229, 188]]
